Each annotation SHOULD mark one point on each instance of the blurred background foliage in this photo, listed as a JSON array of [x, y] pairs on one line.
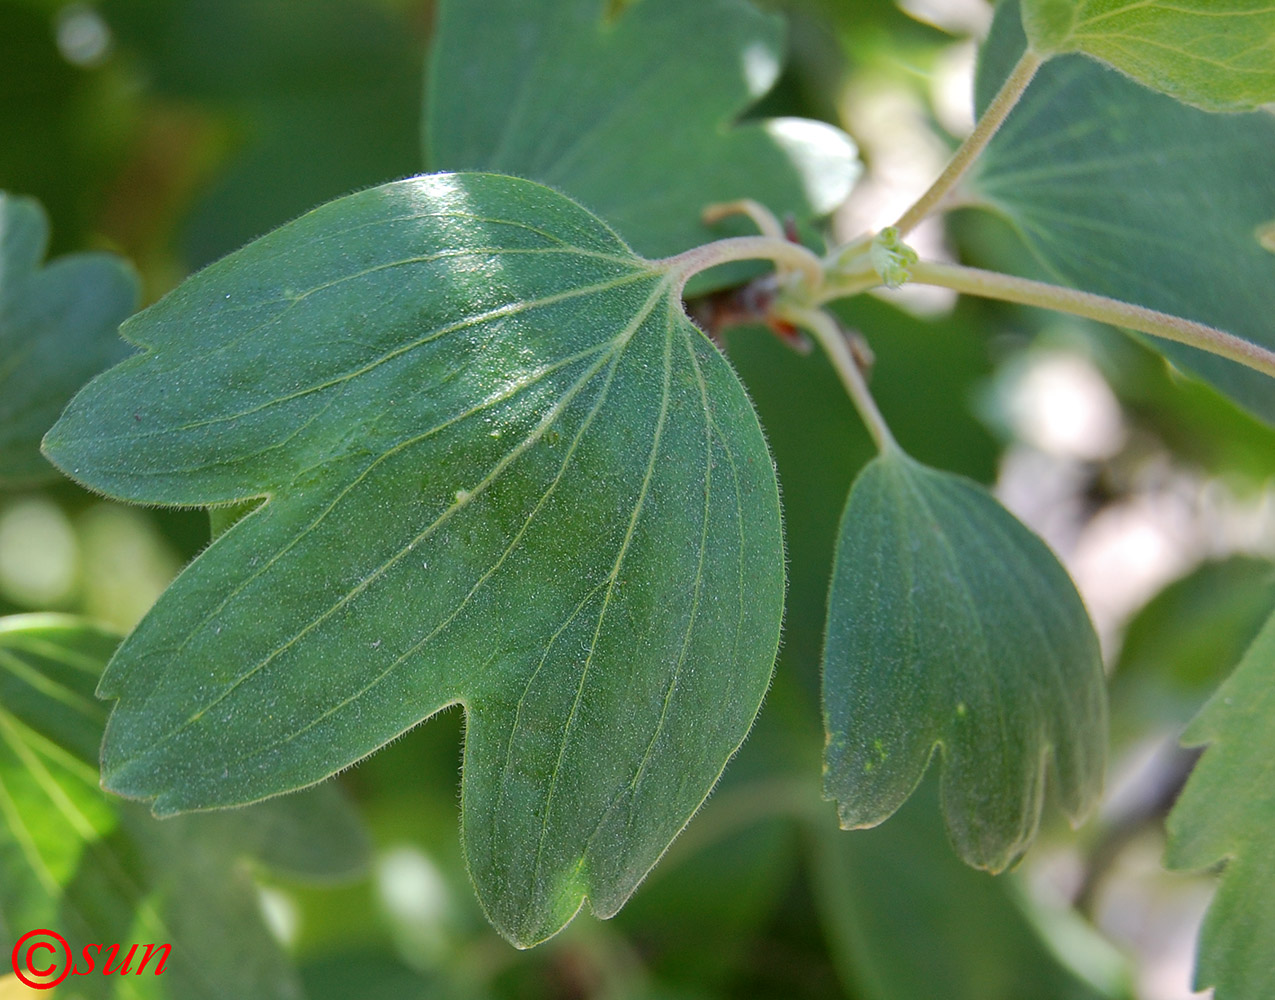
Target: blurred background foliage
[[173, 131]]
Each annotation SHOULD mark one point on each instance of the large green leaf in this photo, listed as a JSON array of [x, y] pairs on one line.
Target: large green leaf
[[319, 98], [504, 470], [951, 625], [1216, 54], [57, 330], [1121, 191], [97, 869], [614, 110], [1227, 813]]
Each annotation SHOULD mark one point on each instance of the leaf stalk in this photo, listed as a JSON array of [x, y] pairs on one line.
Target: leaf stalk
[[988, 124], [1007, 288], [828, 332], [780, 251]]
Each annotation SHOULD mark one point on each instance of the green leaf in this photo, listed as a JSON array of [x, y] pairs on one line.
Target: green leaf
[[1226, 813], [1177, 648], [819, 443], [615, 111], [1117, 190], [97, 869], [951, 625], [504, 470], [318, 99], [1216, 54], [881, 891], [57, 330]]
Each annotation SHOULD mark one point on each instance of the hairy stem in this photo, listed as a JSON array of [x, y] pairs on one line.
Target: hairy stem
[[781, 251], [762, 217], [993, 285], [832, 339], [846, 286], [968, 151]]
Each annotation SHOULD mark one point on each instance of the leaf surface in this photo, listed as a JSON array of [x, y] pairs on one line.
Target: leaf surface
[[1117, 190], [951, 625], [1226, 813], [504, 470], [98, 869], [57, 330], [1216, 54], [631, 113]]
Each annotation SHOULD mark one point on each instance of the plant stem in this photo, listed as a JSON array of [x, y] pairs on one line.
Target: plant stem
[[846, 286], [832, 339], [762, 217], [991, 120], [993, 285], [781, 251]]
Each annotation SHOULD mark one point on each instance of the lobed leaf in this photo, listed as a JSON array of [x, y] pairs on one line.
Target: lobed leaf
[[611, 108], [57, 330], [951, 625], [503, 470], [1120, 191], [1216, 54], [1226, 813], [96, 869]]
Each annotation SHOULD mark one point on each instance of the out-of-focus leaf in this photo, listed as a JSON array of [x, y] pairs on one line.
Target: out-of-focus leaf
[[1127, 193], [1178, 647], [1216, 54], [907, 921], [370, 975], [1200, 425], [580, 98], [705, 908], [504, 470], [64, 126], [697, 923], [96, 869], [58, 327], [321, 98], [952, 625], [1226, 813]]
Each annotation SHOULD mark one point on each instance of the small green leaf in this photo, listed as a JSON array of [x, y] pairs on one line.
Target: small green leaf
[[1216, 54], [97, 869], [57, 330], [951, 625], [1120, 191], [614, 110], [1226, 813], [504, 470]]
